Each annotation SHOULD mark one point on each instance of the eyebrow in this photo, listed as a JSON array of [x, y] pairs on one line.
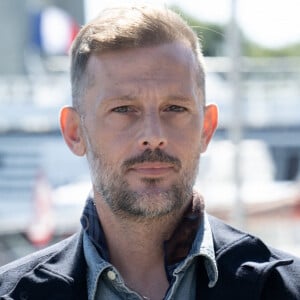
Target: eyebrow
[[130, 98], [121, 98], [178, 98]]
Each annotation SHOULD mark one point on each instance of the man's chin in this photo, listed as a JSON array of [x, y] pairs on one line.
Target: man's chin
[[153, 203], [144, 199], [148, 192], [154, 187]]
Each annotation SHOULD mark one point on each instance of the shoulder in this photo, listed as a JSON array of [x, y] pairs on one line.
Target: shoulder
[[246, 258], [11, 273], [227, 238], [35, 258]]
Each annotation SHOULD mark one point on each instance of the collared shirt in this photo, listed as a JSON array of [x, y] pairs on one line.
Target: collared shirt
[[191, 239]]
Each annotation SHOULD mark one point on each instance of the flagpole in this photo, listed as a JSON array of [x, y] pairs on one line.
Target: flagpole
[[235, 130]]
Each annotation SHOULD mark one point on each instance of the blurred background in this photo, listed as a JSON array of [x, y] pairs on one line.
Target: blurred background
[[250, 175]]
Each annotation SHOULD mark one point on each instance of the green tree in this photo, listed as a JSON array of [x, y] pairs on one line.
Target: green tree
[[212, 36], [213, 40]]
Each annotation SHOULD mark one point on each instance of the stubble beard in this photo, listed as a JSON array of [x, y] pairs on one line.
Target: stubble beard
[[153, 204]]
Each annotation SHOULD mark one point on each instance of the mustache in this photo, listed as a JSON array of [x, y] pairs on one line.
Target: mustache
[[156, 155]]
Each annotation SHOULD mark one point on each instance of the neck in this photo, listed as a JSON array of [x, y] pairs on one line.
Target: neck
[[138, 236], [136, 248]]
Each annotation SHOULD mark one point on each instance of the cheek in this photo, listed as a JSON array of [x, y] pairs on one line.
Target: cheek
[[191, 141], [113, 146], [106, 139], [188, 133], [187, 148]]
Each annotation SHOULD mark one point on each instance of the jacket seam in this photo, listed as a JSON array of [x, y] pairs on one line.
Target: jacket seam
[[59, 275], [42, 260], [223, 249]]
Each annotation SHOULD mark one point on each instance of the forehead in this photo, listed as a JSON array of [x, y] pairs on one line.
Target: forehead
[[169, 66], [148, 61]]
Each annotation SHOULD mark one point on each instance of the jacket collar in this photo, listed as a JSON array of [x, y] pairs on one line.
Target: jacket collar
[[245, 263]]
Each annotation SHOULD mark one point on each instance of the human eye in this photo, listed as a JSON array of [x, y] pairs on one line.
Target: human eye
[[176, 108], [123, 109]]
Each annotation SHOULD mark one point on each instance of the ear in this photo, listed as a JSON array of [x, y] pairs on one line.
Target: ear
[[209, 125], [71, 130]]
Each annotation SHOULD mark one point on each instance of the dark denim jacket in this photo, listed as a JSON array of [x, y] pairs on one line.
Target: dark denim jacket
[[248, 270]]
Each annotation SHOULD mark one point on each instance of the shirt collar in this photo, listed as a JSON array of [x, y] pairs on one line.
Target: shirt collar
[[93, 229], [191, 238], [203, 245]]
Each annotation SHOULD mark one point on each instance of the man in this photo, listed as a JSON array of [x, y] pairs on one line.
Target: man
[[139, 116]]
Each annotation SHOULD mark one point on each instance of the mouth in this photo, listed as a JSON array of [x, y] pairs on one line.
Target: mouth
[[152, 164], [152, 169]]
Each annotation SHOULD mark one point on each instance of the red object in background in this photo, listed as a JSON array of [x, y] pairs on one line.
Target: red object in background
[[296, 209], [74, 29], [41, 228]]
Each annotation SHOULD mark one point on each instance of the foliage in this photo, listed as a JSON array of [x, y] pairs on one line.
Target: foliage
[[212, 36], [255, 50], [213, 40]]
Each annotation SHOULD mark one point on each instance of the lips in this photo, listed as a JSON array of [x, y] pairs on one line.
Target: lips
[[152, 169], [152, 163]]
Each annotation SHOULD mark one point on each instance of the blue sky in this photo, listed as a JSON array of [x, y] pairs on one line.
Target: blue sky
[[272, 23]]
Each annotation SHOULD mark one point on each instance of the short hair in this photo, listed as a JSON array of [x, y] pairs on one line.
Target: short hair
[[128, 27]]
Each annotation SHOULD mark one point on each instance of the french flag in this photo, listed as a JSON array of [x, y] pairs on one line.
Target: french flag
[[53, 31]]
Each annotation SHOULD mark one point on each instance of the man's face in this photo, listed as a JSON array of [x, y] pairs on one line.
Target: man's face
[[142, 122]]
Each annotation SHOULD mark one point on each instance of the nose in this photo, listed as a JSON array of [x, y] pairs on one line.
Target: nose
[[152, 134]]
